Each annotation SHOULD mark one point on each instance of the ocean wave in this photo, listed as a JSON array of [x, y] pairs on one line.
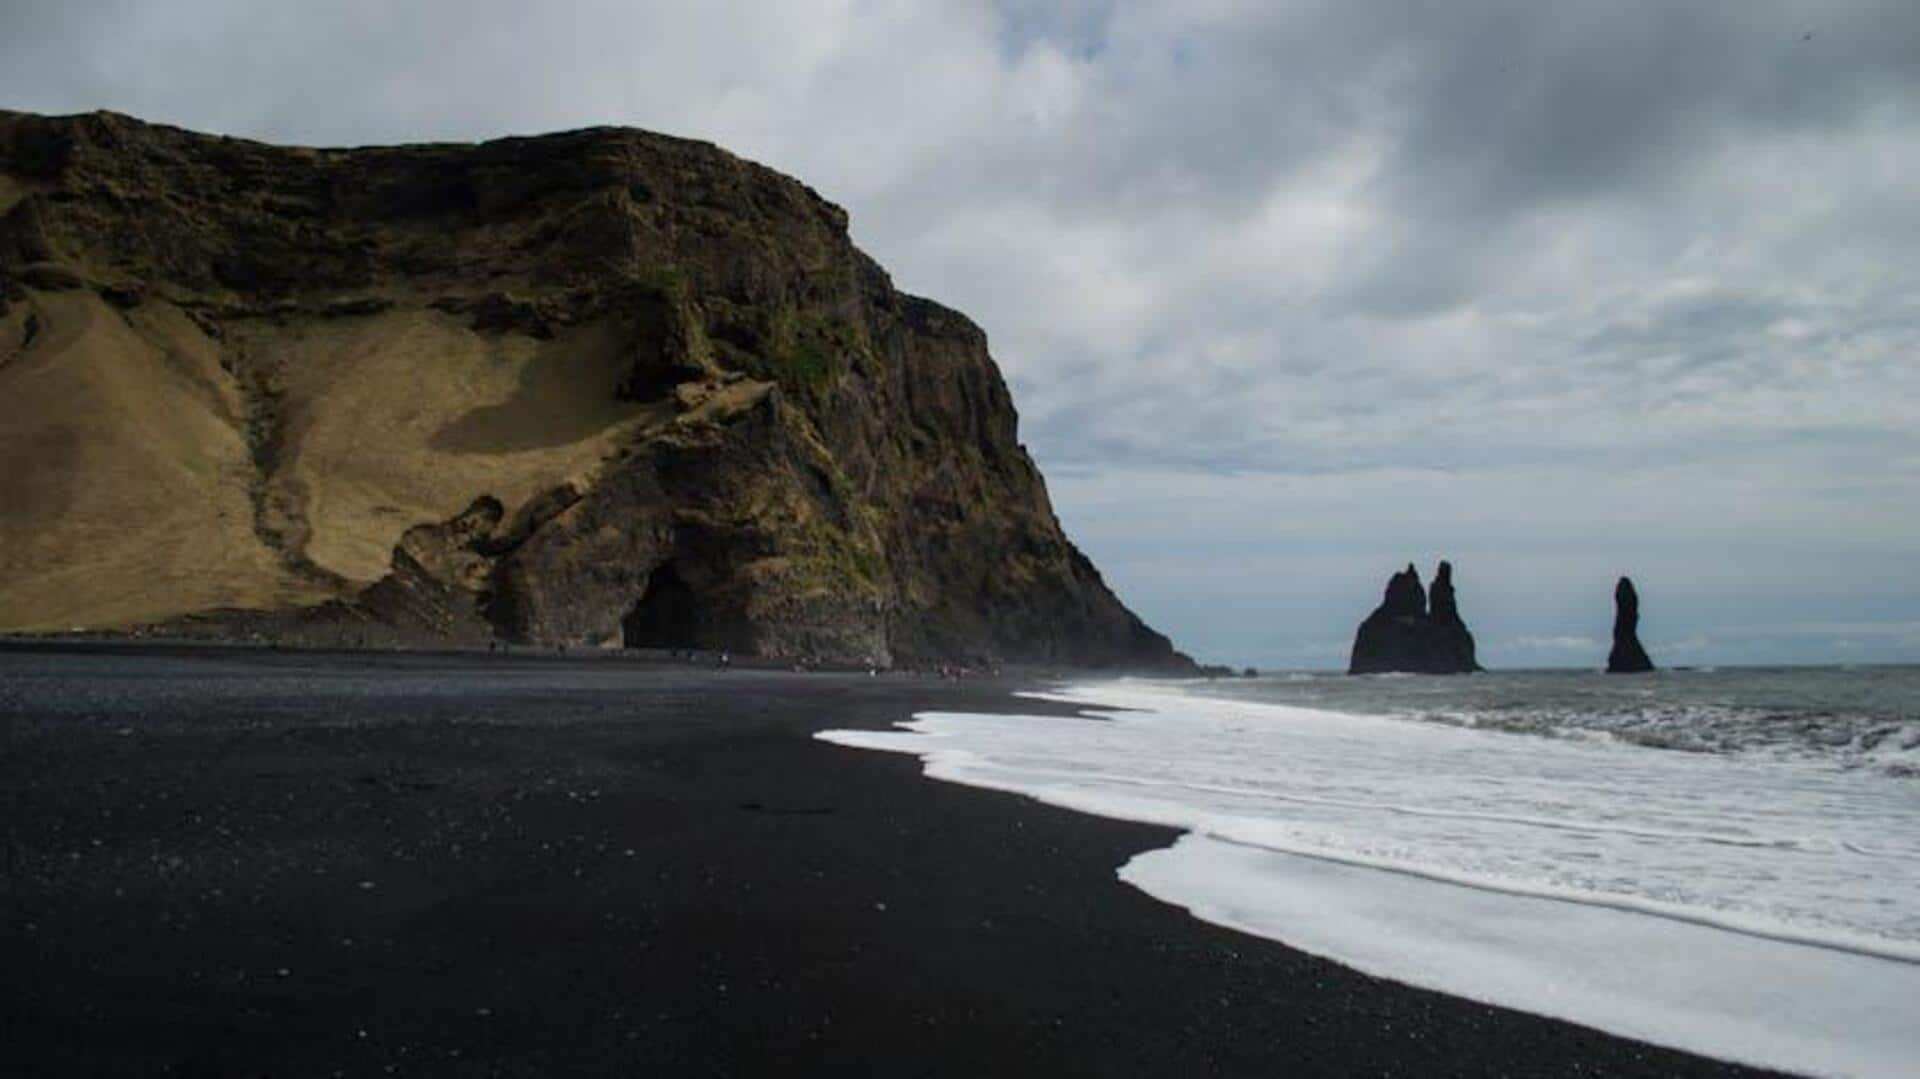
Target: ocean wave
[[1873, 946], [1574, 825], [1553, 862], [1850, 720], [1838, 739]]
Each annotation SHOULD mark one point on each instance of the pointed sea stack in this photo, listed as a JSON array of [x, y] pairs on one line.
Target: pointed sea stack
[[1451, 636], [1403, 635], [1627, 657]]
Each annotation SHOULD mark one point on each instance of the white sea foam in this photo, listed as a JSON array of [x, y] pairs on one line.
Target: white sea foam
[[1760, 910]]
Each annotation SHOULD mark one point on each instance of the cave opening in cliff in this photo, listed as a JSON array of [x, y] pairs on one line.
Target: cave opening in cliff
[[667, 615]]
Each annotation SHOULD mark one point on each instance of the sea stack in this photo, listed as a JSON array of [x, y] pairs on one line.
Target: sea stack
[[1403, 635], [1627, 657]]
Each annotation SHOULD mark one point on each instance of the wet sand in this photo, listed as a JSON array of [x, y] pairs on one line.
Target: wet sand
[[226, 862]]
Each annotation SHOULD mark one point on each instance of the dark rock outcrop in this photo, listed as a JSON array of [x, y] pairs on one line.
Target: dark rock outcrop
[[1627, 657], [765, 447], [1404, 635]]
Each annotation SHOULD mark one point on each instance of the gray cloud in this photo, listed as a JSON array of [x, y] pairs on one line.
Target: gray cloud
[[1567, 288]]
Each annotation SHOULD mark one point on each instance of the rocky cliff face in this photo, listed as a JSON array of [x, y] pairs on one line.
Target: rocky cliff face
[[597, 388], [1404, 635], [1627, 657]]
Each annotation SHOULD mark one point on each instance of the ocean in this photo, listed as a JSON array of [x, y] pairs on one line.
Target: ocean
[[1725, 861]]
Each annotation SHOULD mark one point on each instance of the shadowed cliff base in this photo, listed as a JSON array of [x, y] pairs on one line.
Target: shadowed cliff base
[[667, 616], [300, 370]]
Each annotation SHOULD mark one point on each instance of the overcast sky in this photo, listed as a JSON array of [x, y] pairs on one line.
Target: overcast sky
[[1289, 293]]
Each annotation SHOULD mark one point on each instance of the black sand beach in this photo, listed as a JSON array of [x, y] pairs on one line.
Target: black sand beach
[[226, 862]]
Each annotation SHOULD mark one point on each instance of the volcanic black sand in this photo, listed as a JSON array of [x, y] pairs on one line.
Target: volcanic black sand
[[224, 861]]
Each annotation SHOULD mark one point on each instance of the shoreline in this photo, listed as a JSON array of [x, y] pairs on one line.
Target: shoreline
[[231, 860], [639, 658], [1306, 827]]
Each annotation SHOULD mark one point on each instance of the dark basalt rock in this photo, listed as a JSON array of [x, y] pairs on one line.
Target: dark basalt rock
[[1627, 657], [1444, 609], [1404, 635], [1405, 598]]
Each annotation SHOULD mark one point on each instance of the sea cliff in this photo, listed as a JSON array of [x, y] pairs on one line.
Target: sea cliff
[[595, 388]]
